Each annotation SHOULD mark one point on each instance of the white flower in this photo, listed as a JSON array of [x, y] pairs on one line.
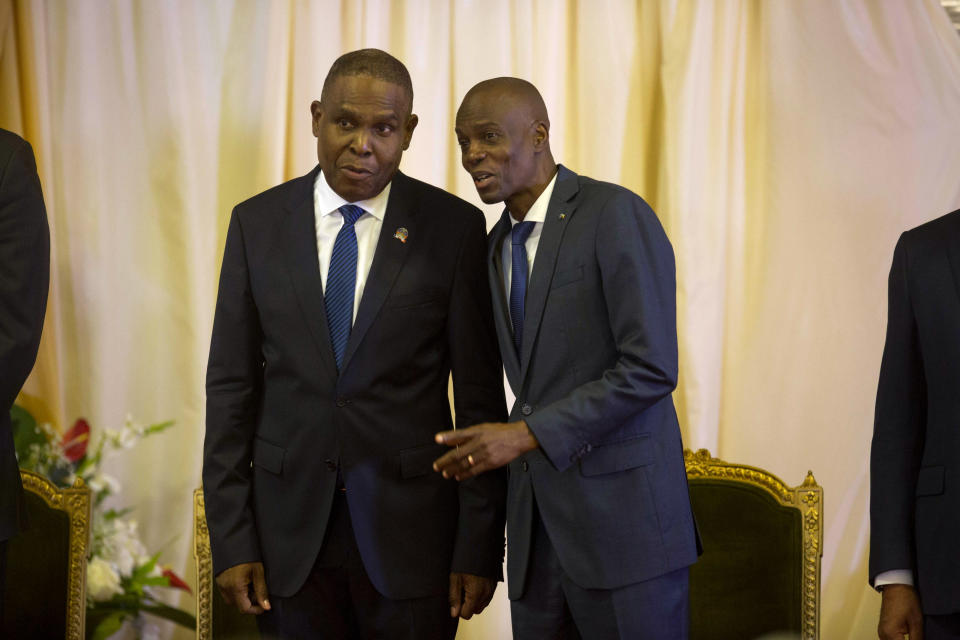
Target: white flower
[[102, 581], [100, 481], [121, 545], [128, 437]]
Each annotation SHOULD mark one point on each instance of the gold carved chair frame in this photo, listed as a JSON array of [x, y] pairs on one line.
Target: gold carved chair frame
[[75, 502], [807, 498]]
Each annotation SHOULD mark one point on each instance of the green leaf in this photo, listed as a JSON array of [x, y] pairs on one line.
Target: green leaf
[[85, 463], [109, 625], [157, 428], [173, 614], [25, 431], [113, 514]]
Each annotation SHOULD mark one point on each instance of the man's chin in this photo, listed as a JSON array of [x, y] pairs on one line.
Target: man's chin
[[353, 190], [489, 197]]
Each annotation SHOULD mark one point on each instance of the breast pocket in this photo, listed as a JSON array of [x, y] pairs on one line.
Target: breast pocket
[[567, 276], [416, 300]]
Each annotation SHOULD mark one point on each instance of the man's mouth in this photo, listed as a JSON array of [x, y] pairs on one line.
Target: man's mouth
[[482, 179], [355, 171]]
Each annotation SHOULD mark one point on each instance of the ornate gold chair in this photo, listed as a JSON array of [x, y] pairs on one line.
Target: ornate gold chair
[[45, 595], [215, 619], [759, 575]]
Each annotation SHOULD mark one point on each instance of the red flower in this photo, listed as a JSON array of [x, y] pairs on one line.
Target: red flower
[[175, 581], [74, 442]]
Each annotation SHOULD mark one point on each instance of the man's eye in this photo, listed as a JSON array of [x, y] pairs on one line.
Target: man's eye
[[490, 136], [463, 143], [343, 123], [383, 129]]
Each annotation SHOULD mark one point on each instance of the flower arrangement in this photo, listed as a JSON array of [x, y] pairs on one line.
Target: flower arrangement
[[121, 575]]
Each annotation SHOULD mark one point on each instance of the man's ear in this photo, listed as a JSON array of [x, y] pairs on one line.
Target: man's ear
[[541, 135], [316, 110], [408, 130]]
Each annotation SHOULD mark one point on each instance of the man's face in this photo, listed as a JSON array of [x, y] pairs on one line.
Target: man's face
[[363, 125], [497, 148]]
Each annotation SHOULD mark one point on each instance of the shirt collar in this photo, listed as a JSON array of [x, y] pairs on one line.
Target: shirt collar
[[326, 201], [538, 212]]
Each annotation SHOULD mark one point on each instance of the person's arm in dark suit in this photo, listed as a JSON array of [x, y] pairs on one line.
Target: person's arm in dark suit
[[234, 383], [638, 278], [898, 436], [24, 269], [478, 397]]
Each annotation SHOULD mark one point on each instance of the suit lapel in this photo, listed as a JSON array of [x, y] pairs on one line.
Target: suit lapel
[[501, 313], [388, 259], [554, 226], [300, 235]]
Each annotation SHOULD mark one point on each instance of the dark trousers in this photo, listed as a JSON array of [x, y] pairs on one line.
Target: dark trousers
[[553, 607], [338, 601], [941, 627]]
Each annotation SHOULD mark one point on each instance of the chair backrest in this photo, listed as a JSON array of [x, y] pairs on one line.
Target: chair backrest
[[759, 575], [45, 595], [215, 619]]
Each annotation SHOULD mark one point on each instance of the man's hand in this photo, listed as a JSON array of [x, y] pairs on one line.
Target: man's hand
[[469, 594], [235, 586], [900, 613], [483, 447]]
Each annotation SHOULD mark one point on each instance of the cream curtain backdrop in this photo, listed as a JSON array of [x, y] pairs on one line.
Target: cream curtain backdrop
[[785, 145]]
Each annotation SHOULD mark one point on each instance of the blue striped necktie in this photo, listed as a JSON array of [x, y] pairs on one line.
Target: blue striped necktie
[[518, 278], [342, 282]]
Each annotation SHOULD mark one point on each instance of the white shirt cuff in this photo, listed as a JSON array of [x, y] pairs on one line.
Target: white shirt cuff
[[894, 576]]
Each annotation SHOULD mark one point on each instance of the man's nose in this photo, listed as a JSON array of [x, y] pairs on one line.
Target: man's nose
[[360, 143], [473, 154]]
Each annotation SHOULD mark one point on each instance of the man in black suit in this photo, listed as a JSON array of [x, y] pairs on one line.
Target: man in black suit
[[599, 527], [24, 280], [915, 457], [346, 299]]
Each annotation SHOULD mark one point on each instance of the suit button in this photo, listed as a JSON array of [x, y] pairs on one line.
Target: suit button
[[526, 409], [524, 465], [331, 465], [341, 402]]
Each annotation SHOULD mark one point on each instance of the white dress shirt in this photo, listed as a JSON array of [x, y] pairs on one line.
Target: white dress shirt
[[536, 214], [328, 221], [894, 576]]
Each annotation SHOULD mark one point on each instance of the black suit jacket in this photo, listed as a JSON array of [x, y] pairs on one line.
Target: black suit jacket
[[24, 280], [594, 383], [274, 398], [915, 457]]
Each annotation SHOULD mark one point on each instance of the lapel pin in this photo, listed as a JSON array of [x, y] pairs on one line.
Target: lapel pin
[[562, 216], [401, 234]]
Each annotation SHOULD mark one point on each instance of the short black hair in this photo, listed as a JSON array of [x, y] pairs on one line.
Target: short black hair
[[370, 62]]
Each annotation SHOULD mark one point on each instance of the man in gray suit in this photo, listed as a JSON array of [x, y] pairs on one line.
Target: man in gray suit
[[599, 527]]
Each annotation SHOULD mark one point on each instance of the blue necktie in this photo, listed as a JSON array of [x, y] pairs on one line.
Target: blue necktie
[[342, 282], [518, 278]]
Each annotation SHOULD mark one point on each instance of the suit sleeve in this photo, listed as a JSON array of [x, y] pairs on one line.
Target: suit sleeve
[[478, 397], [638, 277], [898, 429], [24, 269], [234, 384]]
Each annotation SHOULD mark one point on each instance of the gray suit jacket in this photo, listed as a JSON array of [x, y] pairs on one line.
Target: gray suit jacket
[[593, 382]]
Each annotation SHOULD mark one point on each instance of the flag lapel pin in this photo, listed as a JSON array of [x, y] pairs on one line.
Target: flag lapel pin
[[401, 234]]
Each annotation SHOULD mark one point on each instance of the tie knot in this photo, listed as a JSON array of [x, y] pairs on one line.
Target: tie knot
[[521, 231], [351, 213]]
